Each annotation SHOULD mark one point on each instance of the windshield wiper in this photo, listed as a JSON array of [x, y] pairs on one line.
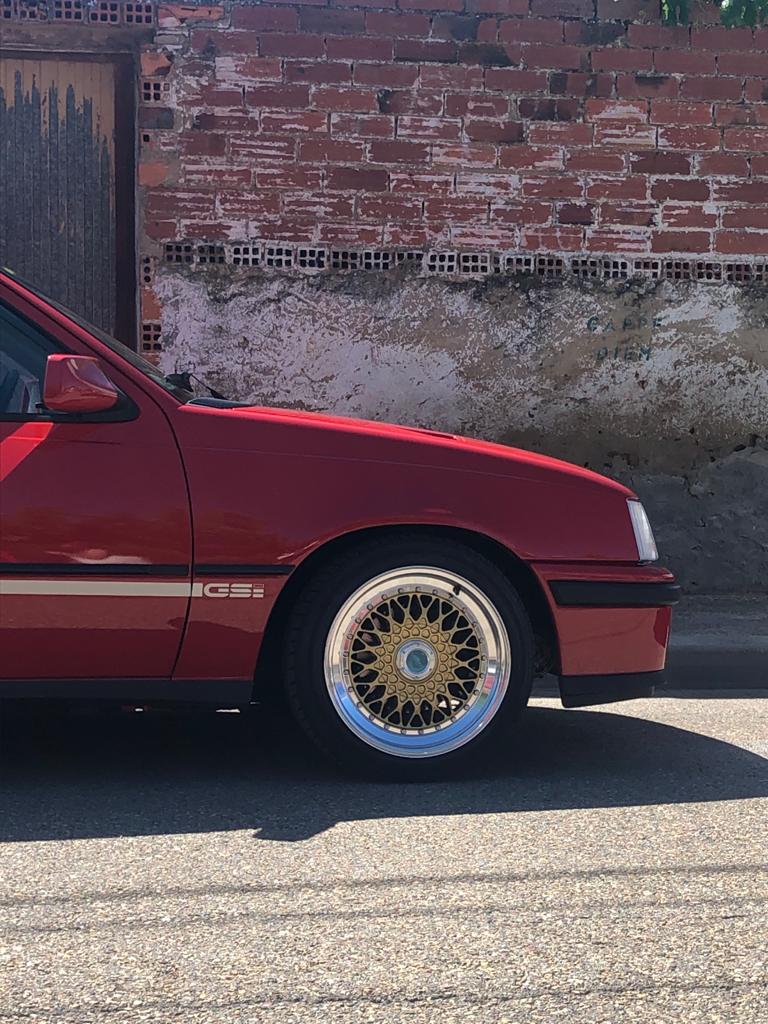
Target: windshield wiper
[[184, 380]]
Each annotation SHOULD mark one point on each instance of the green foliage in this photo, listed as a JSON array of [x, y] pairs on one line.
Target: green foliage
[[732, 12]]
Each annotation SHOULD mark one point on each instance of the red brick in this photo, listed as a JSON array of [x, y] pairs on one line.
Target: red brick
[[561, 134], [489, 54], [617, 239], [374, 126], [759, 166], [394, 23], [277, 44], [391, 75], [431, 5], [421, 184], [521, 213], [753, 140], [548, 109], [155, 64], [462, 28], [661, 163], [711, 88], [484, 236], [438, 77], [491, 184], [242, 69], [558, 58], [429, 128], [323, 72], [493, 131], [414, 236], [357, 179], [634, 187], [289, 96], [160, 230], [399, 101], [543, 30], [359, 48], [625, 135], [666, 112], [553, 239], [155, 172], [248, 204], [596, 160], [172, 16], [746, 217], [647, 86], [287, 178], [293, 230], [225, 122], [742, 64], [337, 23], [658, 36], [579, 83], [616, 110], [350, 234], [420, 50], [741, 192], [720, 39], [638, 214], [513, 80], [730, 114], [355, 100], [265, 19], [531, 158], [225, 177], [687, 217], [202, 143], [215, 96], [689, 137], [458, 104], [263, 149], [562, 8], [678, 62], [456, 209], [594, 33], [551, 187], [389, 207], [322, 206], [334, 151], [756, 90], [621, 59], [397, 152], [463, 155], [627, 10], [297, 122], [206, 41], [722, 164], [681, 190], [575, 213], [680, 241], [737, 242], [497, 7]]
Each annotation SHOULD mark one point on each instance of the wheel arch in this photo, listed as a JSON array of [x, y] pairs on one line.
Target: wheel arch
[[520, 575]]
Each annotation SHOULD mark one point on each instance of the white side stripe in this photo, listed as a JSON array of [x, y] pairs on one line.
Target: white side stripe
[[99, 588]]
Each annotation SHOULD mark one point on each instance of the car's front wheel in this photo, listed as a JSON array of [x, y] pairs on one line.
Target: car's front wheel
[[407, 656]]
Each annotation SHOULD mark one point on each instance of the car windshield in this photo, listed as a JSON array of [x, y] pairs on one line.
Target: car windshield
[[137, 361]]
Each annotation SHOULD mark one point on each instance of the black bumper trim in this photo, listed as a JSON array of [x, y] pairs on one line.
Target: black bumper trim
[[583, 691], [606, 594]]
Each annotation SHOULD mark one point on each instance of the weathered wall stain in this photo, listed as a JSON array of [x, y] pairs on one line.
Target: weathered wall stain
[[682, 383]]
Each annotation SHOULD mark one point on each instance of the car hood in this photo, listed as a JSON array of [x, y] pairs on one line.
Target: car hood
[[235, 426]]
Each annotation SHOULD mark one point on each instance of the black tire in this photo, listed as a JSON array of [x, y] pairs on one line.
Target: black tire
[[311, 619]]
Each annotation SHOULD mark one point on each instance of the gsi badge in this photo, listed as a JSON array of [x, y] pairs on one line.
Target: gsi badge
[[233, 590]]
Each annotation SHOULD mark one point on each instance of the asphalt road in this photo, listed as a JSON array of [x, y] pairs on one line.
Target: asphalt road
[[207, 868]]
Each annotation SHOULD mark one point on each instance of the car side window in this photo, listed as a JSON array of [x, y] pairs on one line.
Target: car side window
[[24, 351]]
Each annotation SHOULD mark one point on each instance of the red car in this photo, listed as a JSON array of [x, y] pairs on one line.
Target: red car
[[403, 586]]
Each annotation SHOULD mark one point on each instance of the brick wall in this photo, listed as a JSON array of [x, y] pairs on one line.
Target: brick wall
[[527, 125]]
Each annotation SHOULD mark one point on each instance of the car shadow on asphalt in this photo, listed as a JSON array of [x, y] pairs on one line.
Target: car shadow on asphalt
[[92, 774]]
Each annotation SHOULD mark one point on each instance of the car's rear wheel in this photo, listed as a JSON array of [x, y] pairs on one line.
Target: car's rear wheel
[[406, 657]]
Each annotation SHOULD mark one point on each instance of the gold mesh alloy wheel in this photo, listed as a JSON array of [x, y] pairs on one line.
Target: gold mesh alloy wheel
[[417, 661]]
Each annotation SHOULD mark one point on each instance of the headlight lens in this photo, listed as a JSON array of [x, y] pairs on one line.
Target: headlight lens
[[646, 545]]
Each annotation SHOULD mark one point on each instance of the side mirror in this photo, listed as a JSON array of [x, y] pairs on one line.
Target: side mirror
[[77, 384]]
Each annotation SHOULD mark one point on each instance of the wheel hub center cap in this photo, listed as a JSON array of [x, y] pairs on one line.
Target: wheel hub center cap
[[416, 659]]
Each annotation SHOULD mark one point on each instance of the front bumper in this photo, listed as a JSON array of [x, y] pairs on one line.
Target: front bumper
[[612, 625]]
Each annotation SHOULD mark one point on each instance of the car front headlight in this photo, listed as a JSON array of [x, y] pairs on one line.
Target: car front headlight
[[646, 545]]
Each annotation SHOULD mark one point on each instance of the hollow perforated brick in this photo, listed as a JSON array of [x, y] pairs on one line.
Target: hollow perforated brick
[[246, 254], [178, 252]]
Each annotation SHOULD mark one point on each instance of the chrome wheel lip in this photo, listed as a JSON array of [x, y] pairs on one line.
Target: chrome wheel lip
[[430, 741]]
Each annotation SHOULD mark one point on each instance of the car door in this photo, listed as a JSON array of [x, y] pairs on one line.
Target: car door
[[95, 536]]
